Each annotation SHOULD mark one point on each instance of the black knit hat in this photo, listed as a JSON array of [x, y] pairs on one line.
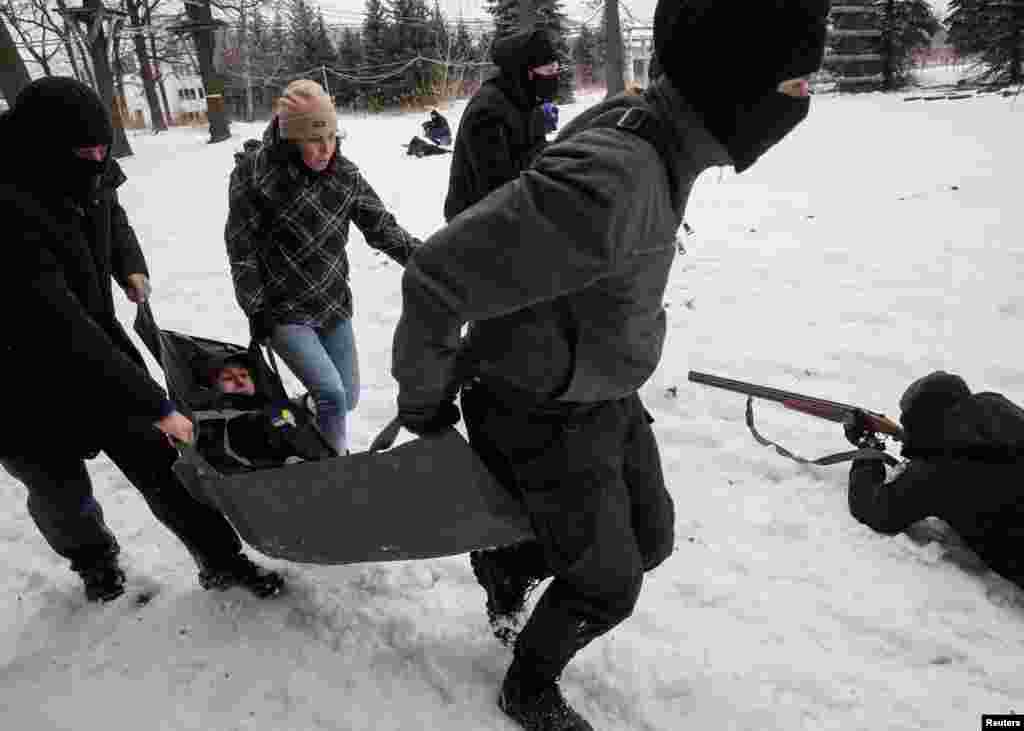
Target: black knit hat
[[61, 108], [926, 398], [777, 40]]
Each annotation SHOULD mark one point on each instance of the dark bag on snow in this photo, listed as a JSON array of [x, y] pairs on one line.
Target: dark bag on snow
[[428, 497]]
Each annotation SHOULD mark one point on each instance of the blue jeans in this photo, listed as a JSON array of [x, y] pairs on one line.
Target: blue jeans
[[326, 363]]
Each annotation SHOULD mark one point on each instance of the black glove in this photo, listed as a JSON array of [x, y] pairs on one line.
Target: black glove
[[261, 326], [858, 432], [430, 420]]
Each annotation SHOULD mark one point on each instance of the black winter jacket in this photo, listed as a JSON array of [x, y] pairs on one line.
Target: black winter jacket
[[973, 480], [501, 132], [70, 370], [561, 271]]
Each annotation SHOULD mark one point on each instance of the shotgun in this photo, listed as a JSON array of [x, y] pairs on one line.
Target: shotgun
[[872, 422]]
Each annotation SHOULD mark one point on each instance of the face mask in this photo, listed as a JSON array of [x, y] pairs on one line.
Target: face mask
[[83, 176], [545, 87], [760, 124]]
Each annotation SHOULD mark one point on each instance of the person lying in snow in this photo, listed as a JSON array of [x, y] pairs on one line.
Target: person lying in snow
[[241, 429], [964, 467], [419, 147]]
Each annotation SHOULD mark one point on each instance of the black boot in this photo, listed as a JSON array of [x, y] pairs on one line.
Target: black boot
[[104, 580], [538, 706], [508, 578], [240, 571]]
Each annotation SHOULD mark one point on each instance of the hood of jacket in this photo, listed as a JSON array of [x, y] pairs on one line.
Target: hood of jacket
[[984, 426], [514, 55]]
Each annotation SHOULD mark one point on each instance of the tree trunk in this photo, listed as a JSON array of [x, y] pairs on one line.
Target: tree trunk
[[527, 14], [99, 51], [614, 68], [1017, 54], [90, 77], [67, 40], [216, 111], [169, 119], [147, 67], [14, 75], [888, 46]]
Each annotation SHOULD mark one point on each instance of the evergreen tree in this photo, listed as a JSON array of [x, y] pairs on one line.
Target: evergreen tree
[[439, 32], [462, 44], [584, 54], [506, 16], [910, 27], [992, 30], [302, 27], [350, 50], [323, 50], [411, 37], [375, 35], [279, 50]]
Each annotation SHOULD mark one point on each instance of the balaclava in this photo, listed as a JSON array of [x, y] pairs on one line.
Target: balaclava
[[923, 405], [62, 114], [516, 54], [780, 39]]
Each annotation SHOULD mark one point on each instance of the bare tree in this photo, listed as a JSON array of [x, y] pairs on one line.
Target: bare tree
[[35, 29], [13, 74], [147, 67], [92, 23], [201, 25]]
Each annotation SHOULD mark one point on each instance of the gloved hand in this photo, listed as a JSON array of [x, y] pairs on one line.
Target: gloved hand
[[858, 432], [261, 326], [429, 420]]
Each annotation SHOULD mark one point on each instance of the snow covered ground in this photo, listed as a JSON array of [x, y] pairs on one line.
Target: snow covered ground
[[882, 240]]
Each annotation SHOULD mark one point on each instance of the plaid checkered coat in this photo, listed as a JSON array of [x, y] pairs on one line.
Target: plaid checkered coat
[[287, 230]]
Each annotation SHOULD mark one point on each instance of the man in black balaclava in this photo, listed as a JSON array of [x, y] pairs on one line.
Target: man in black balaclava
[[964, 466], [562, 274], [783, 41], [67, 236], [502, 128]]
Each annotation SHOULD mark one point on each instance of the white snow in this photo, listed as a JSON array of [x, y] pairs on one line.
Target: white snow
[[881, 241]]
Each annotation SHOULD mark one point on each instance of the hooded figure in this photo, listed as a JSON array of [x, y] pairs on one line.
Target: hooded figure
[[502, 128], [78, 384], [562, 273], [965, 466], [436, 129]]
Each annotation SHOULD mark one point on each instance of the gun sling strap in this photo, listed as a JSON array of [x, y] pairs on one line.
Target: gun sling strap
[[830, 459]]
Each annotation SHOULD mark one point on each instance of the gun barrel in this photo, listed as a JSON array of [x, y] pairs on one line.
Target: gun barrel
[[763, 392]]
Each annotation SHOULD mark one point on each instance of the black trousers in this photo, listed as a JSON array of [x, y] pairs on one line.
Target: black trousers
[[591, 479], [61, 502]]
